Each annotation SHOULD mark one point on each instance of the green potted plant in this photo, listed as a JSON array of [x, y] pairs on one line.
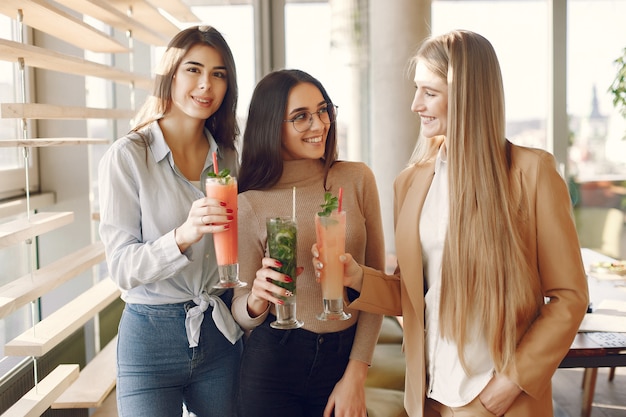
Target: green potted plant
[[618, 91], [618, 88]]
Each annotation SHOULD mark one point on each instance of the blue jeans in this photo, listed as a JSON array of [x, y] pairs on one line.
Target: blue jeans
[[157, 371], [290, 373]]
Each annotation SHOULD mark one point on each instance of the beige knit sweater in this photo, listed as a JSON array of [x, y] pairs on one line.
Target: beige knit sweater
[[364, 240]]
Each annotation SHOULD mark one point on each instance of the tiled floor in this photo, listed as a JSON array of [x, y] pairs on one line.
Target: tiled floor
[[609, 399]]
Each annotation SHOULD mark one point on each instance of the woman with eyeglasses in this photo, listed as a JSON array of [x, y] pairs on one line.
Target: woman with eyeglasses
[[290, 141]]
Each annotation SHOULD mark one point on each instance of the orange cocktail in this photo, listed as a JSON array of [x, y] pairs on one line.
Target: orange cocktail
[[331, 243], [225, 189]]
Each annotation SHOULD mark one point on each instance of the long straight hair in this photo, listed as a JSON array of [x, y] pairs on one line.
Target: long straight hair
[[223, 123], [261, 159], [487, 286]]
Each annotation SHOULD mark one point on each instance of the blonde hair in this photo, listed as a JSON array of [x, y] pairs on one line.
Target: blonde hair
[[487, 283]]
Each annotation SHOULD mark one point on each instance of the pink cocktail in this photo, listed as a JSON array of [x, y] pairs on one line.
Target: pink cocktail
[[331, 243], [225, 189]]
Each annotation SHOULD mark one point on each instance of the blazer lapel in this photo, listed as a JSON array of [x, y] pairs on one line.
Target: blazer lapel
[[408, 247]]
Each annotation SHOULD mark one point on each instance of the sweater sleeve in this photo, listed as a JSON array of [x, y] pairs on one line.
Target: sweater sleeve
[[369, 324], [251, 253]]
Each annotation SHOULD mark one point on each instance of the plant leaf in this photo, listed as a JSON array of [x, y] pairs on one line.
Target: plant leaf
[[330, 203]]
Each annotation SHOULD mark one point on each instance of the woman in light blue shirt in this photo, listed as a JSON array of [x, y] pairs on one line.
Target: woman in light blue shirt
[[178, 345]]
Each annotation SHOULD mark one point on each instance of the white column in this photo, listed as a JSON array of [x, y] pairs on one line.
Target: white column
[[396, 30], [558, 129], [269, 36]]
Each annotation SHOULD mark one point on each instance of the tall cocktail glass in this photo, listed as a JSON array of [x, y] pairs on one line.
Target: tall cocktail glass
[[282, 246], [225, 189], [331, 243]]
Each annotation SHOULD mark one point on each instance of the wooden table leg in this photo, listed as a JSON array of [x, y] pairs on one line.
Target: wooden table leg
[[589, 386], [611, 374]]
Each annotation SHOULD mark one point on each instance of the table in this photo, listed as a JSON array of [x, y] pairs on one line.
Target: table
[[586, 353]]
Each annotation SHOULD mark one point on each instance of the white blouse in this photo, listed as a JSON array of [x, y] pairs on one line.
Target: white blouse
[[447, 381]]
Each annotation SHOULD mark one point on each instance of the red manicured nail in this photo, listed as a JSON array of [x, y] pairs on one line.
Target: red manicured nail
[[288, 279]]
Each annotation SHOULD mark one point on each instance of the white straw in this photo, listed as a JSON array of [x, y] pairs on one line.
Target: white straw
[[293, 202]]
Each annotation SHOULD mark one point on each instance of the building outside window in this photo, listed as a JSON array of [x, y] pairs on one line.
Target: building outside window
[[596, 38]]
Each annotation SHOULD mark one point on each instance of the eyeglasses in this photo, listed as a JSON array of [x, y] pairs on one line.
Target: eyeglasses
[[303, 121]]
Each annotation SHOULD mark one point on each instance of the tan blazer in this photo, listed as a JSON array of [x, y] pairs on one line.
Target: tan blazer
[[552, 241]]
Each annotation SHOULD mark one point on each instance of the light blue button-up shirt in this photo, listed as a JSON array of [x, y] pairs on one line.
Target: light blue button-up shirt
[[143, 198]]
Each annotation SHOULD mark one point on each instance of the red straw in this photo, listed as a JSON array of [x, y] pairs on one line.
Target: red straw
[[215, 163], [340, 197]]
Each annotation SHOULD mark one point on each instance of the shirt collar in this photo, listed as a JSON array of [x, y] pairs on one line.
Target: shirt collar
[[442, 158], [160, 149]]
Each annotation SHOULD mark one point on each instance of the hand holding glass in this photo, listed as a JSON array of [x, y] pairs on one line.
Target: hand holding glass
[[331, 243], [282, 246], [225, 189]]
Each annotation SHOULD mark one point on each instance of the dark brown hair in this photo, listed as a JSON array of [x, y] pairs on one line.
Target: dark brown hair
[[261, 160], [223, 123]]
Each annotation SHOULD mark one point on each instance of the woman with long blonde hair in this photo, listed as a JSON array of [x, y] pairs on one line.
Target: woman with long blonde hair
[[490, 280]]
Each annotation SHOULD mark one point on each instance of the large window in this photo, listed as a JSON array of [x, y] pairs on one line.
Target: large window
[[308, 48], [596, 39], [523, 56]]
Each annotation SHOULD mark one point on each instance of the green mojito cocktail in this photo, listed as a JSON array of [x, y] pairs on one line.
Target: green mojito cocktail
[[282, 245]]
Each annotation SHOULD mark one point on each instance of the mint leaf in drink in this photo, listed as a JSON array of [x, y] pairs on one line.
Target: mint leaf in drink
[[282, 246], [222, 174], [330, 203]]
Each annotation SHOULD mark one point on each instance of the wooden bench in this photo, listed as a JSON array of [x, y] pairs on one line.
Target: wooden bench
[[48, 18], [95, 382], [38, 399], [38, 57], [49, 332], [23, 290], [108, 407], [17, 231]]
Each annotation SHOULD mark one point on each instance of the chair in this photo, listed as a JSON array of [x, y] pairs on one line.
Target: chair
[[384, 386]]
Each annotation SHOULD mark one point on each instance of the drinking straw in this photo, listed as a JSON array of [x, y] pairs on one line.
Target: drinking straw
[[293, 204], [215, 163], [340, 197]]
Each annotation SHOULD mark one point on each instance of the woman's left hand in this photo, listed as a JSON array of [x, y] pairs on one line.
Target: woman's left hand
[[348, 396], [499, 394], [352, 272]]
